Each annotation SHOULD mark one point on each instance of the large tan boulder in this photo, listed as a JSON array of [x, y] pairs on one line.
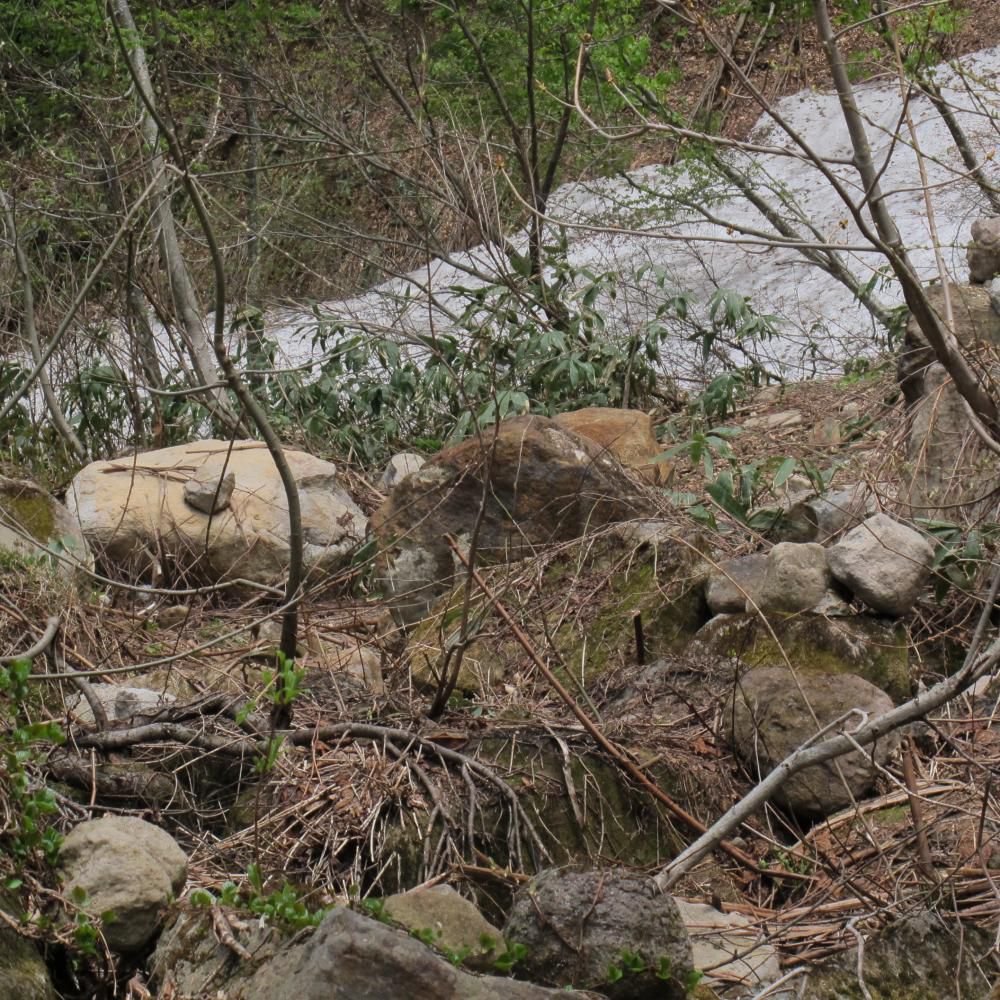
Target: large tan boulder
[[627, 434], [543, 483], [134, 513], [36, 526]]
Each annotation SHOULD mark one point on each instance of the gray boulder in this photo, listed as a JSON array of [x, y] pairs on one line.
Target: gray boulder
[[796, 578], [457, 924], [727, 587], [983, 255], [821, 518], [884, 563], [399, 467], [348, 957], [128, 868], [575, 924], [773, 712]]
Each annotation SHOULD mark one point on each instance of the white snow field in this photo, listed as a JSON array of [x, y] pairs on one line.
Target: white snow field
[[613, 226]]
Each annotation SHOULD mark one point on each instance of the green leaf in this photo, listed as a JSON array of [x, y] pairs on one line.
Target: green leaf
[[785, 470], [254, 877]]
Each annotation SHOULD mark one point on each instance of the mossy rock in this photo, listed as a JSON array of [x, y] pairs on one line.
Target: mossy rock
[[918, 958], [595, 589], [872, 648], [23, 974], [605, 820], [440, 631], [35, 528]]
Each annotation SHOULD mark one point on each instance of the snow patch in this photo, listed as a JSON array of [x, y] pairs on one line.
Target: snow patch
[[822, 326]]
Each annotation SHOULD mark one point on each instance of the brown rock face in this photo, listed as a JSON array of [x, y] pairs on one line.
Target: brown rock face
[[627, 434], [536, 482]]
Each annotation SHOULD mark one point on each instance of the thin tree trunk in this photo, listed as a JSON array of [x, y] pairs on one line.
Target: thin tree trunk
[[281, 714], [254, 325], [968, 154], [182, 290], [59, 420], [135, 305]]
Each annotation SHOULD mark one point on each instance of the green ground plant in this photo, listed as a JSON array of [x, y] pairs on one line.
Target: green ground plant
[[21, 742], [285, 907]]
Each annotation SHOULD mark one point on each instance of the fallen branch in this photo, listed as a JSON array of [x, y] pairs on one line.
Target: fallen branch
[[51, 628], [160, 732], [163, 732]]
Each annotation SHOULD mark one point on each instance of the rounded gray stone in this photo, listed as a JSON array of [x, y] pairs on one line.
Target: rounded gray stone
[[575, 924], [128, 868]]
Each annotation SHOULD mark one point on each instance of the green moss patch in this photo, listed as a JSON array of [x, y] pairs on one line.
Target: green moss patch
[[869, 647], [31, 510], [580, 608]]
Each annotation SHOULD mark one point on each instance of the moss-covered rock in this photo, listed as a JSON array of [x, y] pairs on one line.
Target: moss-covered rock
[[586, 599], [23, 975], [582, 806], [35, 526], [872, 648], [918, 958]]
